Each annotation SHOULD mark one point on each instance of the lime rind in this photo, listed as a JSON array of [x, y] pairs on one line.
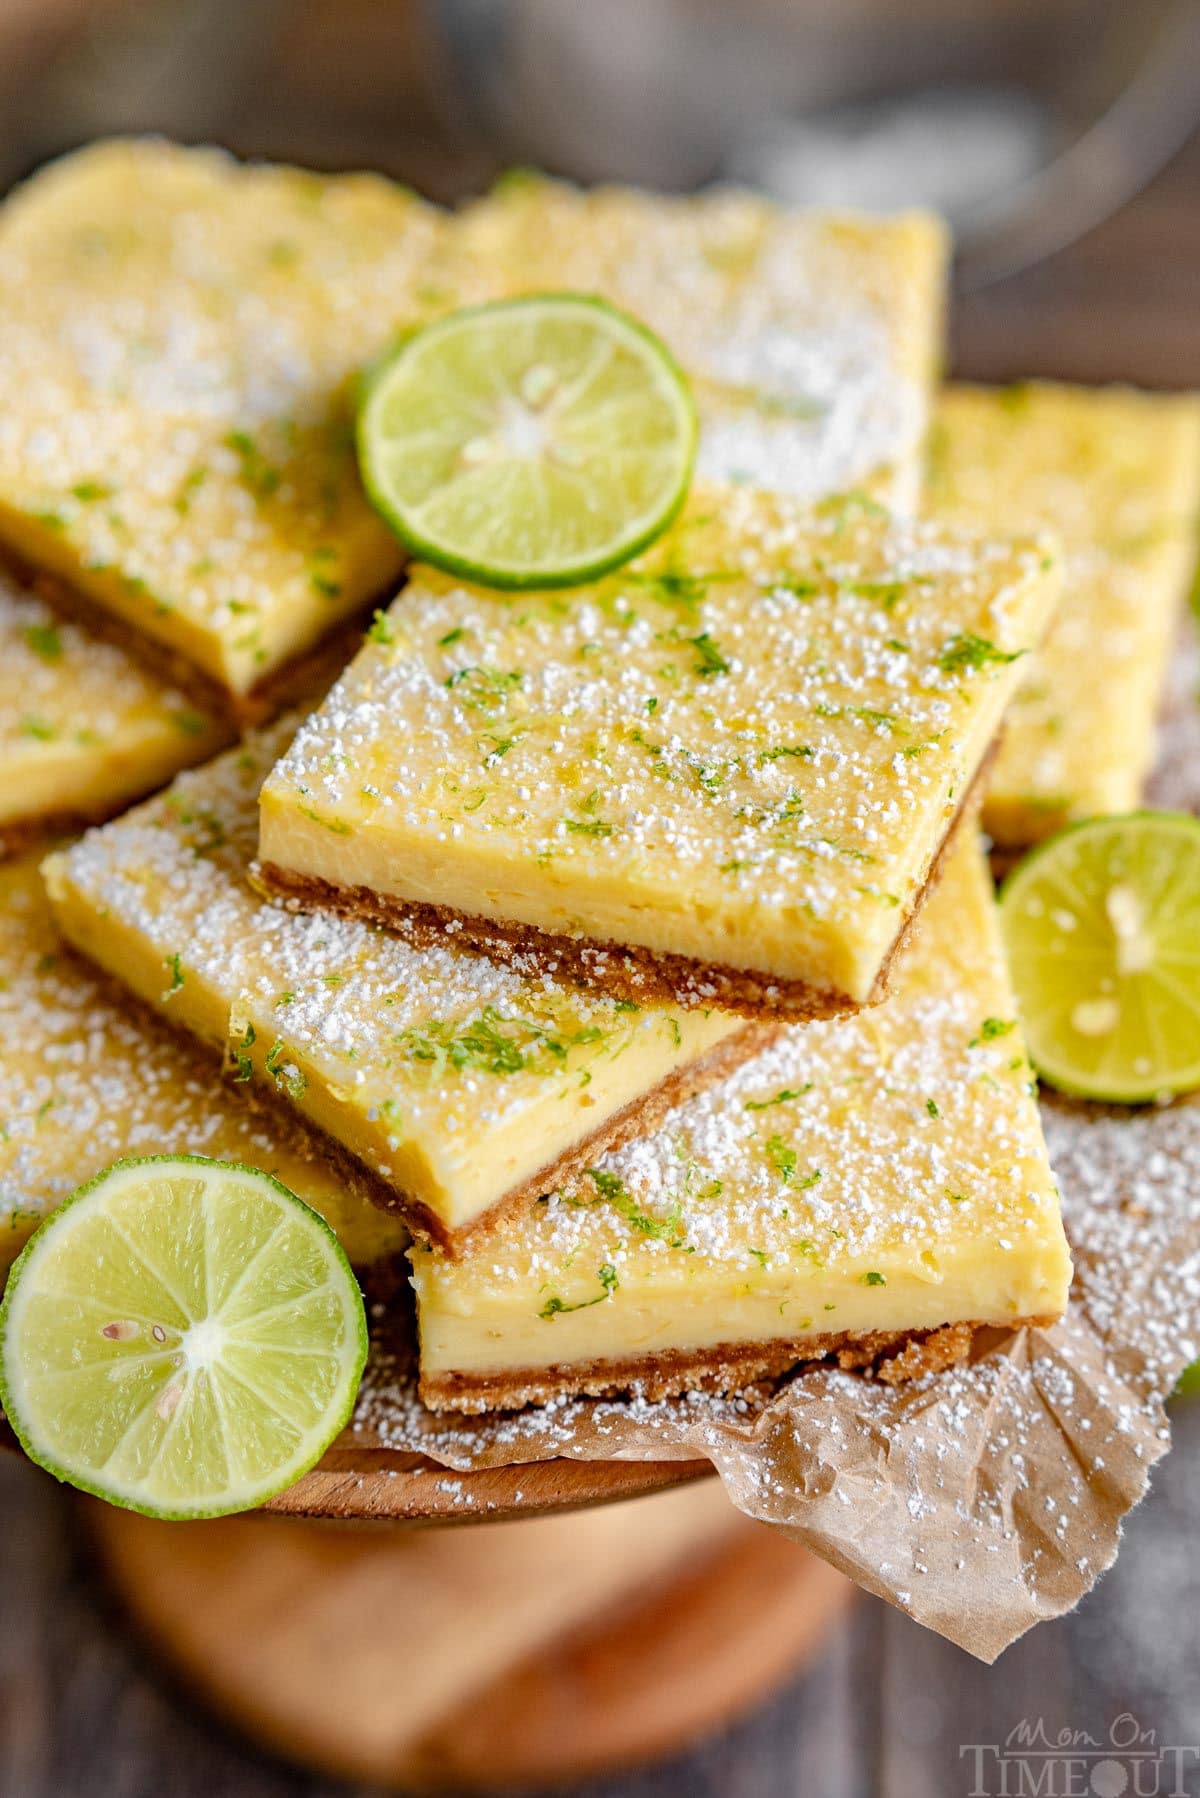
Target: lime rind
[[1158, 1005], [527, 479], [337, 1404]]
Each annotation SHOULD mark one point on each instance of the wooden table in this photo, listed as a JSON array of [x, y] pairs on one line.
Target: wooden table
[[84, 1714]]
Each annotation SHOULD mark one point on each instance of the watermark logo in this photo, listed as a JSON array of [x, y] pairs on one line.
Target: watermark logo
[[1035, 1762]]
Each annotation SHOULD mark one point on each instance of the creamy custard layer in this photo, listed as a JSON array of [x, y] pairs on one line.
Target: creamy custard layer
[[1116, 475], [455, 1079], [179, 336], [745, 748], [886, 1174], [84, 729], [811, 339], [86, 1079]]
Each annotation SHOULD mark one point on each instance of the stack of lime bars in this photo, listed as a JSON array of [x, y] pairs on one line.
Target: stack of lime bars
[[580, 649]]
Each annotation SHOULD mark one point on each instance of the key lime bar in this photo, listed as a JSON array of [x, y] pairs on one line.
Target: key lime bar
[[875, 1189], [811, 339], [179, 337], [87, 1078], [1116, 475], [461, 1083], [84, 730], [720, 776]]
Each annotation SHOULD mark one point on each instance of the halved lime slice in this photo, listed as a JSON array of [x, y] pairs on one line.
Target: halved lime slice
[[182, 1337], [1102, 927], [530, 443]]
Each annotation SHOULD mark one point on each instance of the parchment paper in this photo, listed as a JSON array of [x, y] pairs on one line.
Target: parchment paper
[[985, 1498]]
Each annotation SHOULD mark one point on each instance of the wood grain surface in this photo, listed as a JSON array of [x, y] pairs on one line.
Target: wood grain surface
[[544, 1649]]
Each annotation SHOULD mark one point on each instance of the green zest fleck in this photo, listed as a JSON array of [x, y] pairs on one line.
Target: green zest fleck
[[484, 689], [380, 631], [990, 1029], [177, 975], [183, 499], [872, 1278], [613, 1189], [494, 1044], [86, 491], [887, 594], [607, 1276], [203, 819], [334, 824], [965, 651], [588, 827], [452, 636], [709, 659], [672, 587], [931, 1107], [781, 1098], [801, 751], [290, 1079], [782, 1157], [37, 728], [257, 473], [243, 1066], [44, 640]]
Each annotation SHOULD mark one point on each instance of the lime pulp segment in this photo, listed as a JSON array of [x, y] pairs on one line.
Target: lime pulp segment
[[1102, 927], [182, 1337], [529, 443]]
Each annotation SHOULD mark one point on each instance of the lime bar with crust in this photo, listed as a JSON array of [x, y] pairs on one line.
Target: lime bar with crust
[[460, 1083], [84, 729], [179, 339], [1116, 475], [86, 1078], [721, 775], [811, 339], [874, 1188]]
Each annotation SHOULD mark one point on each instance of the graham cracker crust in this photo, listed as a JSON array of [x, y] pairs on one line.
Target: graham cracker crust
[[306, 676], [19, 834], [624, 971], [890, 1356]]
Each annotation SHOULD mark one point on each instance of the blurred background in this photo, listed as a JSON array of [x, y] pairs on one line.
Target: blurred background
[[1031, 123], [1061, 138]]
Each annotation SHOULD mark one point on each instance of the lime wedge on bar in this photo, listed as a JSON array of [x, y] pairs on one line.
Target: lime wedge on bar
[[182, 1337], [1102, 927], [530, 443]]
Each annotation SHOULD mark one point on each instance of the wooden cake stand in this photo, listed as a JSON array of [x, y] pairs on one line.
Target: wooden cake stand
[[599, 1614]]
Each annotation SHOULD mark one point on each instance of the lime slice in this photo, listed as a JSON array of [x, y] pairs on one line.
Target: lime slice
[[530, 443], [1189, 1381], [1102, 927], [182, 1337]]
